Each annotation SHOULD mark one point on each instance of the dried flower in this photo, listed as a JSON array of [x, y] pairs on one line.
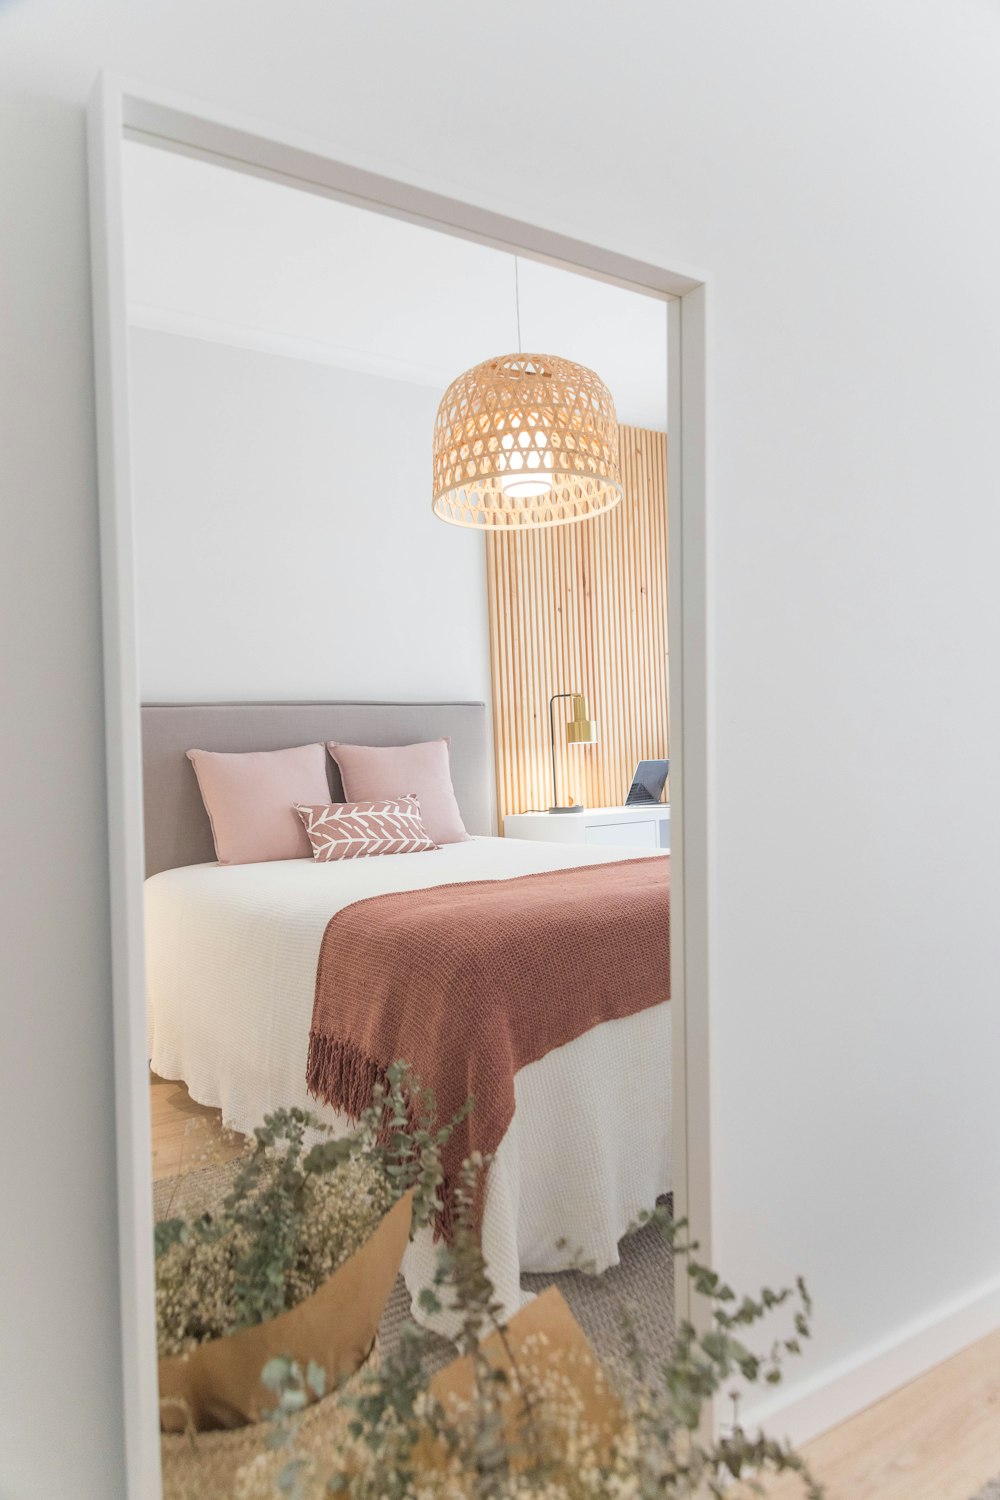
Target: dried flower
[[303, 1201], [526, 1434]]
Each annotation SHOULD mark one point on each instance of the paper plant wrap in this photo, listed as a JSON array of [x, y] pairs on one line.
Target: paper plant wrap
[[544, 1338], [240, 1466], [218, 1385]]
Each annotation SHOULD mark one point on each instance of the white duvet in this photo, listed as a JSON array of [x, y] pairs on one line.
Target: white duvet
[[231, 956]]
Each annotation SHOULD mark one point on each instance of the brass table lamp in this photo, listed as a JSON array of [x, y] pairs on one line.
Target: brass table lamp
[[579, 731]]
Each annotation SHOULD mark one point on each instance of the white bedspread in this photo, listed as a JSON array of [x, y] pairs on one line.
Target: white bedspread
[[231, 955]]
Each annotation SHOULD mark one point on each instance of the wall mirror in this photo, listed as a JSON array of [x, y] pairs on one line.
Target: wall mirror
[[373, 767]]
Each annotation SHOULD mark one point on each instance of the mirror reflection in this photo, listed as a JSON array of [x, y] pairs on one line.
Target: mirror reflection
[[402, 580]]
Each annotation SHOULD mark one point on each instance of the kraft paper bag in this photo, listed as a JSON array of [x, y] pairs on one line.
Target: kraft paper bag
[[217, 1385], [544, 1336], [226, 1464]]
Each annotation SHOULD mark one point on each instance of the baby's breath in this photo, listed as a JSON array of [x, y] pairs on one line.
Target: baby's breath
[[529, 1433], [303, 1200]]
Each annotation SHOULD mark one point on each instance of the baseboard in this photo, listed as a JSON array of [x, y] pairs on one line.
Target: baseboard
[[802, 1411]]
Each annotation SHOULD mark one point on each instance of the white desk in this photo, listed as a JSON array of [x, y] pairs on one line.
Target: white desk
[[628, 827]]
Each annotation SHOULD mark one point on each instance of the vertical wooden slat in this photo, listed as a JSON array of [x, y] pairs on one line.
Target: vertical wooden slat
[[583, 608]]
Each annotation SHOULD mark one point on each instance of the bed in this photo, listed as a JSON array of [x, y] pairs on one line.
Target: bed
[[231, 973]]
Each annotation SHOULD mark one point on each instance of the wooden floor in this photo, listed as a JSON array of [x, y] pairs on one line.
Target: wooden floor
[[182, 1130], [936, 1439]]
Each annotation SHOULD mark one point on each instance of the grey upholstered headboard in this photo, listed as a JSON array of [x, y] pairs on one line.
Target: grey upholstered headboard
[[176, 824]]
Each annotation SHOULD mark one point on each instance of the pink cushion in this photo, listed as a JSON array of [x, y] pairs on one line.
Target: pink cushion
[[373, 772], [358, 830], [250, 799]]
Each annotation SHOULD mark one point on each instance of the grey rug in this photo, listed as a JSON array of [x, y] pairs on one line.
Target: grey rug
[[991, 1492], [641, 1287]]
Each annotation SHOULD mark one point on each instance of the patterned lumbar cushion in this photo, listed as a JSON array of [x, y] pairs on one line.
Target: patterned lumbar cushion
[[356, 830]]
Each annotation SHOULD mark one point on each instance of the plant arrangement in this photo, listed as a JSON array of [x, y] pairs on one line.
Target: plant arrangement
[[302, 1202], [300, 1259], [524, 1425]]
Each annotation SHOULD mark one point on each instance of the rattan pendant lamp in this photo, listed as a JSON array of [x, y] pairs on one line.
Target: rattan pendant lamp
[[525, 440]]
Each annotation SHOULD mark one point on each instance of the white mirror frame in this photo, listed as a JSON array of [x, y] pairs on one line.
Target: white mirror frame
[[119, 108]]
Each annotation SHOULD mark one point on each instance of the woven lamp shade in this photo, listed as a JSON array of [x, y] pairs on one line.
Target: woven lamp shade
[[525, 440]]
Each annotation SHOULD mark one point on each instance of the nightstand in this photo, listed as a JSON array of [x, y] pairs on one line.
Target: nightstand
[[642, 827]]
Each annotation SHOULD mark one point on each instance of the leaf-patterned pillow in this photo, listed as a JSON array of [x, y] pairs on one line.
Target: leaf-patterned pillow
[[358, 830]]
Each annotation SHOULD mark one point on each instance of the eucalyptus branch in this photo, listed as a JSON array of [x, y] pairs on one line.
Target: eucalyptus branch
[[302, 1200], [518, 1438]]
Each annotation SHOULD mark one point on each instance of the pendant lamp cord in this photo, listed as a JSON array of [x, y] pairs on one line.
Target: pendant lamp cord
[[517, 303]]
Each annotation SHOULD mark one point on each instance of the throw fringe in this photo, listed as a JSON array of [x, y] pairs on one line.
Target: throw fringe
[[340, 1074]]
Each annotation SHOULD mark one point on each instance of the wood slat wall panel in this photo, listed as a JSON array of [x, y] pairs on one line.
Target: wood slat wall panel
[[583, 608]]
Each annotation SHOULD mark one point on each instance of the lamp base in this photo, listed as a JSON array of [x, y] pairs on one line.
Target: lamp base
[[573, 807]]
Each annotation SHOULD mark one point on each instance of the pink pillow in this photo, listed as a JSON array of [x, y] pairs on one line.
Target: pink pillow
[[358, 830], [250, 799], [373, 772]]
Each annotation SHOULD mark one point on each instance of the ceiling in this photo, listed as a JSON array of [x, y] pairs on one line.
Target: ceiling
[[219, 254]]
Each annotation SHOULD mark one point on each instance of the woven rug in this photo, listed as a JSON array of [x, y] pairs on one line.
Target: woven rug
[[990, 1492], [643, 1284]]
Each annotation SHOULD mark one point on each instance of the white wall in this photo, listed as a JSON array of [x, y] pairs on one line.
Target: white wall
[[223, 255], [834, 168], [285, 544]]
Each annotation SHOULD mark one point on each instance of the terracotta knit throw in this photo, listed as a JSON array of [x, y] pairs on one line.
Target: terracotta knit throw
[[470, 982]]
